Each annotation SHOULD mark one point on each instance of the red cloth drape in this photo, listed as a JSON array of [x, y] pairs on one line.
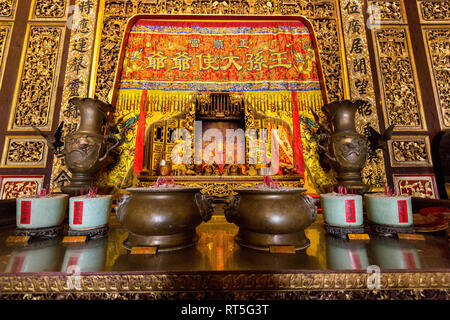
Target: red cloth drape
[[298, 149], [140, 136]]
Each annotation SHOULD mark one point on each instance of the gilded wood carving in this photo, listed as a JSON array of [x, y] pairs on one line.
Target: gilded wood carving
[[45, 9], [410, 151], [436, 43], [7, 9], [36, 87], [24, 151], [402, 105], [434, 11]]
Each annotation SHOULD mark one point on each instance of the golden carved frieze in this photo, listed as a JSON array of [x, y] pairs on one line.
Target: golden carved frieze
[[401, 99], [121, 283], [35, 92], [436, 41], [5, 38], [387, 11], [77, 76], [434, 11], [7, 9], [45, 9], [410, 151], [361, 85], [24, 151], [218, 189]]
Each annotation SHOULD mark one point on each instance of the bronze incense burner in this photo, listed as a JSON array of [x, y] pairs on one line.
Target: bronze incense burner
[[271, 217], [165, 217]]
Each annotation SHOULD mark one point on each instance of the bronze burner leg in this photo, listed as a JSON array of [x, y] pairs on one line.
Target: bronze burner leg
[[164, 243], [262, 241]]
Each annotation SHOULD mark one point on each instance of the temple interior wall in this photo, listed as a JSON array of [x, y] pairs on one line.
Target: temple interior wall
[[393, 54]]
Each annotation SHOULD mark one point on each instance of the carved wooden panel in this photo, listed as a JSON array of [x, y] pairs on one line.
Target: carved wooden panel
[[36, 87], [416, 185], [434, 11], [5, 38], [20, 186], [437, 45], [401, 101], [54, 9], [8, 9], [24, 151], [388, 11], [410, 151]]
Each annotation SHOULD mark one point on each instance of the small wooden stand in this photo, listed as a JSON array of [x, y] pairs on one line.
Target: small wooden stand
[[389, 231], [91, 233], [342, 232], [40, 233]]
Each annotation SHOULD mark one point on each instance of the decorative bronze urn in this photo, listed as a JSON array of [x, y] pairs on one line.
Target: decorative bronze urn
[[271, 217], [164, 217], [345, 148], [86, 149]]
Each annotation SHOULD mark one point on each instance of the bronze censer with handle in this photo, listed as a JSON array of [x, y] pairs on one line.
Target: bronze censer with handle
[[163, 217], [271, 217]]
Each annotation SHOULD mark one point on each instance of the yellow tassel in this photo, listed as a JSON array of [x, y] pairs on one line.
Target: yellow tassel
[[159, 103]]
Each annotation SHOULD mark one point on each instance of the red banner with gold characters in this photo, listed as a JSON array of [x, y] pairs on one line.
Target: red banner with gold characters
[[220, 56]]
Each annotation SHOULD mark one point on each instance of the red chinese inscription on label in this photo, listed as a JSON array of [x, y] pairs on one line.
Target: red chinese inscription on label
[[17, 264], [25, 212], [350, 211], [72, 262], [356, 261], [409, 259], [77, 212], [402, 211]]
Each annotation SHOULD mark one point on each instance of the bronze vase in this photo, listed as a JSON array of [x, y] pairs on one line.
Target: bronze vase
[[347, 148], [86, 149]]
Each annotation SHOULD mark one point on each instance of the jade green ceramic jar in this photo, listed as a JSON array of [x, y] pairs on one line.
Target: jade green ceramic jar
[[342, 210], [86, 257], [394, 254], [41, 212], [343, 254], [389, 210], [89, 212], [39, 256]]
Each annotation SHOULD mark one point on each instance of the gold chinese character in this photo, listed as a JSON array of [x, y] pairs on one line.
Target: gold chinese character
[[231, 61], [218, 43], [206, 62], [278, 60], [181, 61], [243, 43], [194, 43], [255, 61], [156, 60]]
